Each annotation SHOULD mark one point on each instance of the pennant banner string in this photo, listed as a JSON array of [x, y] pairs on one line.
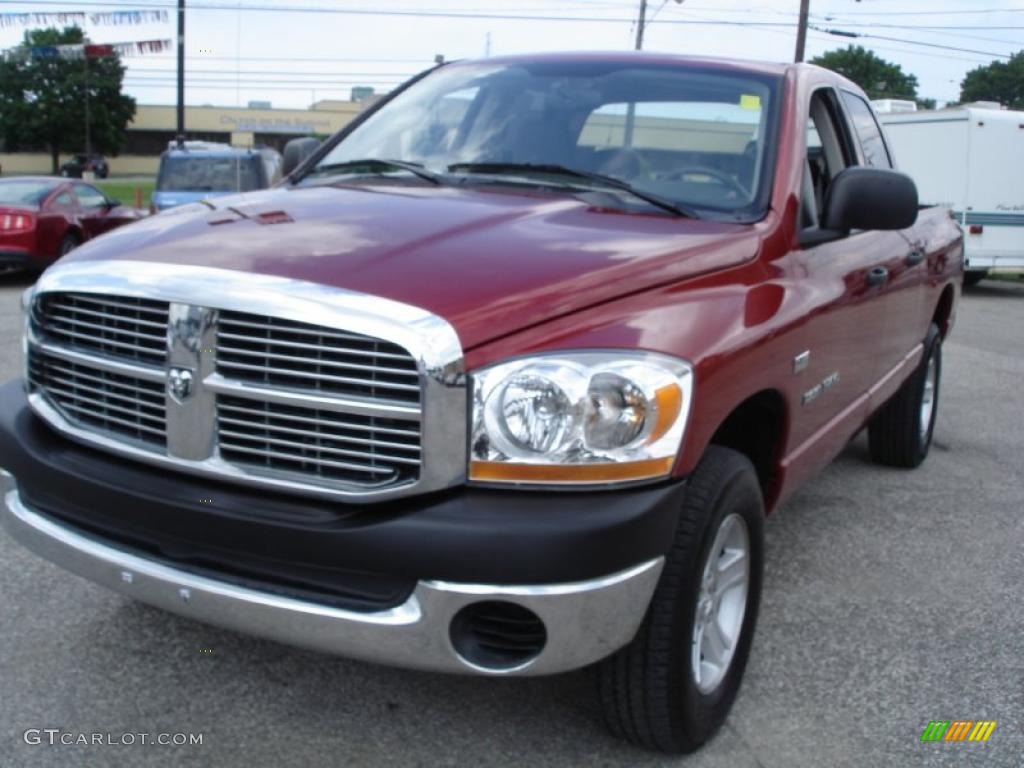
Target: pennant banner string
[[78, 18]]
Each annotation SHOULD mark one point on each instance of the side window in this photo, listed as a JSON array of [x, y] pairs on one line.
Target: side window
[[870, 135], [828, 153], [63, 200], [89, 197]]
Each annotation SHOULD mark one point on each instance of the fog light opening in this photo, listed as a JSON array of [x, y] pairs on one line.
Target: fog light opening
[[497, 636]]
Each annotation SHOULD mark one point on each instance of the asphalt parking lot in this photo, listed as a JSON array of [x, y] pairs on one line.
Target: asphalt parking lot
[[892, 598]]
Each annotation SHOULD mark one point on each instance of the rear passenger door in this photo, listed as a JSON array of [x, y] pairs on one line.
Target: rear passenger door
[[845, 277], [906, 263]]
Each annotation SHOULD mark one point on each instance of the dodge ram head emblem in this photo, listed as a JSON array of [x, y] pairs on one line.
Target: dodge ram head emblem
[[179, 384]]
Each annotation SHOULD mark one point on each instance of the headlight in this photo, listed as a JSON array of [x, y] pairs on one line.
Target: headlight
[[577, 418]]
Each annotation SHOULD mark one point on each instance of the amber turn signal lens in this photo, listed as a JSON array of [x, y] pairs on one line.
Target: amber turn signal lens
[[670, 402], [510, 472]]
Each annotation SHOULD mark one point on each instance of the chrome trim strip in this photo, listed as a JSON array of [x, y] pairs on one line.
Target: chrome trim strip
[[430, 340], [215, 382], [585, 620]]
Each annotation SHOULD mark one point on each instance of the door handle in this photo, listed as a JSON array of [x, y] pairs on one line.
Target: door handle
[[915, 257], [877, 275]]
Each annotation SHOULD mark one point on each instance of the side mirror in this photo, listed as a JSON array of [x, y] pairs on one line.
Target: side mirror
[[112, 202], [296, 151], [870, 198]]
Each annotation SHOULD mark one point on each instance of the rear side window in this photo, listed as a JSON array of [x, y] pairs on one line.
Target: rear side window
[[870, 135]]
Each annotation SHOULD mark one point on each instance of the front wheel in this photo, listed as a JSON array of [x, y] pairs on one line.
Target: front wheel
[[900, 434], [671, 688], [67, 245]]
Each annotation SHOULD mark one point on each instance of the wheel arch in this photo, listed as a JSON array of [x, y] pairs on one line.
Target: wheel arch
[[757, 428]]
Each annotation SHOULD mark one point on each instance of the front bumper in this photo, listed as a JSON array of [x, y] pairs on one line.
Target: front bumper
[[307, 572], [585, 621], [14, 257]]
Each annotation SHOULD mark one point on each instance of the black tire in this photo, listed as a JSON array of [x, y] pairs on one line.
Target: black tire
[[68, 244], [974, 276], [648, 689], [898, 435]]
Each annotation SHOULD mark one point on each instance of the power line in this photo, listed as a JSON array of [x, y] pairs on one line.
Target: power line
[[844, 33], [972, 12]]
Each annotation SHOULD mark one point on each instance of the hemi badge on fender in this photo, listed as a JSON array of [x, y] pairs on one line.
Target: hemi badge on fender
[[801, 361], [812, 394]]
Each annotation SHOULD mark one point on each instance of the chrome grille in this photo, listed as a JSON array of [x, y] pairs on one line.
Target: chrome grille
[[261, 380], [335, 446], [95, 398], [283, 353], [121, 327]]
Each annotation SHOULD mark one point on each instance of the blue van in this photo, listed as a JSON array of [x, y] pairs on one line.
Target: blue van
[[196, 170]]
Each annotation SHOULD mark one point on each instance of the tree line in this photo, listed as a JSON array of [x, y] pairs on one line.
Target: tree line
[[1001, 81]]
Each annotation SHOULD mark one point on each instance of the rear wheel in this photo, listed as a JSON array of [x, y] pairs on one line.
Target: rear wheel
[[900, 434], [671, 688], [974, 276]]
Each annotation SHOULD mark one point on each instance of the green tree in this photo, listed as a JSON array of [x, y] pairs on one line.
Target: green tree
[[879, 78], [1001, 81], [42, 98]]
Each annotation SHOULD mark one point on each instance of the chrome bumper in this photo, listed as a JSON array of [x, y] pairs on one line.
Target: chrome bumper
[[585, 621]]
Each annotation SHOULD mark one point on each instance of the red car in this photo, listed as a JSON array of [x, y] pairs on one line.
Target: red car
[[42, 218]]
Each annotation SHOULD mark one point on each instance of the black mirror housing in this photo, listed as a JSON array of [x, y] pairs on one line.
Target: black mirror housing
[[296, 151], [860, 197]]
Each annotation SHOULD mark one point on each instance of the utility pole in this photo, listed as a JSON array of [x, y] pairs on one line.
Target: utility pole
[[181, 71], [801, 33], [640, 22]]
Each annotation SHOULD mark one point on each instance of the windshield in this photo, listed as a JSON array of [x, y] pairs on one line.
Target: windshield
[[206, 173], [24, 192], [697, 137]]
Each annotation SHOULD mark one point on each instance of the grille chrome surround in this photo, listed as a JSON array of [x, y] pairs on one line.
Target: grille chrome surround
[[297, 386]]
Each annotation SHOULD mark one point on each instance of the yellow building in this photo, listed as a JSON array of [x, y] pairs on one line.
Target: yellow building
[[154, 126]]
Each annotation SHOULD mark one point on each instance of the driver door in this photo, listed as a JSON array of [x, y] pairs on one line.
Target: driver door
[[97, 214]]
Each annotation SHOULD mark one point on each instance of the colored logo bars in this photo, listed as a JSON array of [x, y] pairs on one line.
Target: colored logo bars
[[88, 50], [958, 730]]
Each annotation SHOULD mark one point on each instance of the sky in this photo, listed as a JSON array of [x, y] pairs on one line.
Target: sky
[[294, 52]]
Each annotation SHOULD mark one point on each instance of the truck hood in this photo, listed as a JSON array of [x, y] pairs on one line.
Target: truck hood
[[490, 260]]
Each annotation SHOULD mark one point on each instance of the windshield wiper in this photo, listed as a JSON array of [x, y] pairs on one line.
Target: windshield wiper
[[378, 164], [594, 178]]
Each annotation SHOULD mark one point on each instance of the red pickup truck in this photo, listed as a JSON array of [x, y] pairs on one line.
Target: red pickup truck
[[503, 379]]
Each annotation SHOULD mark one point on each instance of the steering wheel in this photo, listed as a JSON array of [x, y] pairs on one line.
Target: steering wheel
[[718, 176]]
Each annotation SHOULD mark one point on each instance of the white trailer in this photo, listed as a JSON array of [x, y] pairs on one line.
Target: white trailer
[[970, 158]]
